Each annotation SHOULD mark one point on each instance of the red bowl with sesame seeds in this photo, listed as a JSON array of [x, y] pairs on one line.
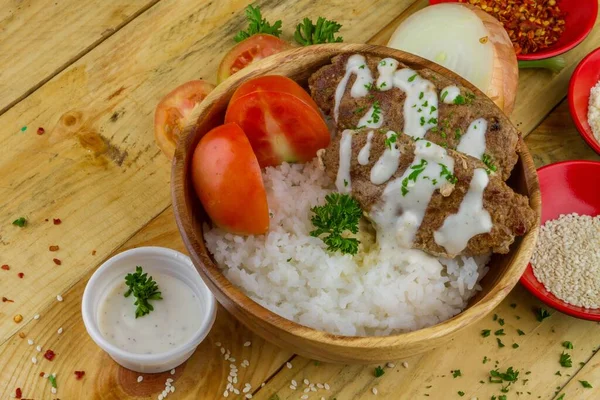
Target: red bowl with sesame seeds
[[579, 20], [567, 187]]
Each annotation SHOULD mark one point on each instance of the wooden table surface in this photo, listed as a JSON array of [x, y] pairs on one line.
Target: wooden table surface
[[90, 73]]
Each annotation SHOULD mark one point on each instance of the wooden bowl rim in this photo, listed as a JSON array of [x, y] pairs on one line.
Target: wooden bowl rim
[[214, 275]]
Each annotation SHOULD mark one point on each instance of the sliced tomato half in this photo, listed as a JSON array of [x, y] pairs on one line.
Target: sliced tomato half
[[247, 51], [280, 123], [173, 112]]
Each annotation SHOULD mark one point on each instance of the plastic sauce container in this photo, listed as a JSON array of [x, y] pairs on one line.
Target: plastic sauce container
[[153, 260]]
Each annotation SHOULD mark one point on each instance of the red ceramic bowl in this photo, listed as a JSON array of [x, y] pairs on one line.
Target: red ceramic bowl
[[579, 21], [566, 187], [585, 76]]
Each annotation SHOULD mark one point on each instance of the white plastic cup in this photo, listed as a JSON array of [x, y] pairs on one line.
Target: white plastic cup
[[153, 260]]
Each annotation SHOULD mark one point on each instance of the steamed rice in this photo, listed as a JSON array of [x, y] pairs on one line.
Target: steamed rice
[[377, 292]]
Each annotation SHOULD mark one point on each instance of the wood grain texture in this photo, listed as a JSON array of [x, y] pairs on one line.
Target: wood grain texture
[[40, 38], [97, 167], [298, 64]]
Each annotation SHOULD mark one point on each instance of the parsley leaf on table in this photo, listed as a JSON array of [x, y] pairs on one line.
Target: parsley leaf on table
[[323, 31], [257, 24], [143, 289], [565, 360], [20, 222], [379, 371]]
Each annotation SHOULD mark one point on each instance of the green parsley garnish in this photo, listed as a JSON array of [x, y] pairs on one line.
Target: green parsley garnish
[[432, 121], [379, 371], [345, 183], [444, 94], [323, 31], [389, 141], [565, 360], [586, 384], [20, 222], [383, 63], [428, 144], [432, 109], [360, 110], [485, 332], [426, 104], [416, 170], [541, 314], [520, 332], [460, 99], [257, 24], [456, 373], [143, 289], [568, 345], [421, 95], [500, 344], [412, 78], [487, 160], [317, 363], [499, 332], [558, 373], [449, 177], [52, 380], [510, 376], [340, 213], [515, 346], [457, 134], [422, 121], [376, 114], [513, 305], [461, 393], [501, 321], [485, 359], [561, 397]]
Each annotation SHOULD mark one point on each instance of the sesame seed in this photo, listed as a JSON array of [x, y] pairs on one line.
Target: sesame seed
[[292, 387], [230, 378], [405, 364], [374, 390], [30, 342], [306, 382], [288, 364], [169, 380], [53, 390], [164, 393], [390, 365], [222, 350], [235, 380], [306, 390], [140, 378], [38, 348], [34, 360], [313, 389], [247, 344], [320, 385], [59, 331], [36, 316], [326, 386], [246, 362], [294, 382], [246, 389], [232, 359], [218, 344], [59, 298], [236, 391], [249, 396], [262, 384], [304, 397], [225, 393], [173, 371], [172, 389], [160, 397]]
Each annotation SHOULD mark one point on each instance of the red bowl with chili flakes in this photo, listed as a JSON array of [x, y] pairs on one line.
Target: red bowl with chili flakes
[[567, 187], [580, 17], [584, 78]]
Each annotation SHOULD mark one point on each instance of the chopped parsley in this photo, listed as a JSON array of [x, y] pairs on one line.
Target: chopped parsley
[[379, 371], [144, 289], [345, 183], [457, 134], [558, 373], [426, 104], [52, 380], [510, 376], [568, 345], [586, 384], [487, 160], [360, 110], [520, 332], [421, 95], [501, 321], [257, 24], [485, 332], [434, 181], [456, 373], [499, 332], [289, 259], [362, 67], [541, 314], [500, 344], [369, 86], [317, 363], [461, 393], [485, 359], [432, 109], [376, 114], [561, 397], [383, 84], [389, 141], [515, 346], [447, 174], [20, 222], [565, 360], [383, 63], [341, 213], [323, 31], [444, 94], [467, 99], [428, 144], [422, 121], [513, 305], [412, 78], [416, 170], [432, 121]]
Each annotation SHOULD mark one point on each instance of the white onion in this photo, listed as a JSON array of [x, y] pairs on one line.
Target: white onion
[[465, 40]]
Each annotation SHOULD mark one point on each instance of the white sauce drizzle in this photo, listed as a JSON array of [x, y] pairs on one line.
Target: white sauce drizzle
[[342, 181], [421, 104], [361, 84], [452, 93], [386, 69], [365, 152], [473, 142], [387, 164], [470, 220], [372, 119], [397, 216]]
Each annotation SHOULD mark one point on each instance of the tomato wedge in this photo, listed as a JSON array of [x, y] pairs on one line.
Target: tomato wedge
[[228, 181], [282, 124], [247, 51], [173, 111]]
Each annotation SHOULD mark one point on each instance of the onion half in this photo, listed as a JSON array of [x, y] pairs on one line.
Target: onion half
[[465, 40]]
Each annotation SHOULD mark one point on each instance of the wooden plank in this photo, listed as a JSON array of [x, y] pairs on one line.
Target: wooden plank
[[539, 90], [203, 376], [41, 38]]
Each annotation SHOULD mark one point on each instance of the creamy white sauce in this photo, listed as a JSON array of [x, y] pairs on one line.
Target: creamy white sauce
[[387, 164], [365, 152], [473, 142], [175, 318], [386, 68], [343, 182], [398, 215], [421, 104], [451, 93], [470, 220], [356, 64], [373, 118]]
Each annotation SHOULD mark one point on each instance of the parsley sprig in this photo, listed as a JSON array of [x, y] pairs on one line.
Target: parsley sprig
[[417, 169], [341, 213], [389, 141], [20, 222], [257, 24], [323, 31], [143, 288], [565, 360]]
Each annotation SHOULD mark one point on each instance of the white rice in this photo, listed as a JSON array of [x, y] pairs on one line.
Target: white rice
[[377, 292]]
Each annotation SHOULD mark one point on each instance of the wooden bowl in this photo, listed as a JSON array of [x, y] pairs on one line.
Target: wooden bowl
[[298, 64]]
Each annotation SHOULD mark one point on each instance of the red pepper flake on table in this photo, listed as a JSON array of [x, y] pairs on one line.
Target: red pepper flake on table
[[53, 248], [57, 261], [21, 275], [79, 375], [5, 300], [49, 355], [56, 221], [5, 267], [18, 393], [532, 25], [40, 131]]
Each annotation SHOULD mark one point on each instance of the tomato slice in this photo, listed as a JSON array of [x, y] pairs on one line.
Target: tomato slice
[[280, 126], [228, 181], [173, 111], [247, 51]]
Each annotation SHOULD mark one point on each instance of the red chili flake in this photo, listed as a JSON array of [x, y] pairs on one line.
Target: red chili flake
[[57, 261], [93, 252], [53, 248], [57, 221], [49, 355], [5, 267], [4, 300], [42, 374], [79, 374], [46, 220], [18, 393], [41, 131], [21, 275]]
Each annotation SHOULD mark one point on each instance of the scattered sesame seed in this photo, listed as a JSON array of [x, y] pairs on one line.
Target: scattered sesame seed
[[160, 397], [246, 389], [38, 348], [30, 342], [36, 316], [390, 365], [320, 385], [292, 387], [235, 380], [313, 389], [326, 386], [288, 364], [247, 344], [249, 396], [405, 364], [294, 382], [374, 390], [34, 360], [262, 384], [169, 380], [232, 359], [59, 298], [59, 331], [306, 381], [173, 371], [225, 393], [306, 390], [230, 378], [218, 344], [236, 391], [222, 350], [304, 397], [53, 390], [172, 389], [140, 378]]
